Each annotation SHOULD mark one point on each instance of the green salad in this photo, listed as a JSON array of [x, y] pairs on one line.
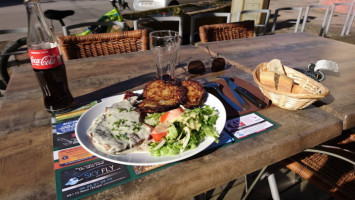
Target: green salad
[[185, 132]]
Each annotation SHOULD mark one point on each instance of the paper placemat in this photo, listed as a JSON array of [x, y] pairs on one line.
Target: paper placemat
[[79, 174]]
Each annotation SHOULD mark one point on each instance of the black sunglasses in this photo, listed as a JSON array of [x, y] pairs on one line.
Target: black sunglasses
[[197, 66]]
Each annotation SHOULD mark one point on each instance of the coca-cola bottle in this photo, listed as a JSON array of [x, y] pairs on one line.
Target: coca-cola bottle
[[46, 60]]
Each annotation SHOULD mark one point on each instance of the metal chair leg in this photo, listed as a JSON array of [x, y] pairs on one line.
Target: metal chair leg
[[254, 183], [273, 187], [272, 184]]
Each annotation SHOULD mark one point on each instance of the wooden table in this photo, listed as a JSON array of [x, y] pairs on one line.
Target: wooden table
[[297, 51], [26, 158]]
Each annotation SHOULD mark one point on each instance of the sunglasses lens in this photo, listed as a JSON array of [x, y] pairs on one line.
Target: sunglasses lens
[[196, 67], [218, 64]]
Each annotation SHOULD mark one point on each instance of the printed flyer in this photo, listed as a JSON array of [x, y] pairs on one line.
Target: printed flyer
[[85, 179], [249, 124]]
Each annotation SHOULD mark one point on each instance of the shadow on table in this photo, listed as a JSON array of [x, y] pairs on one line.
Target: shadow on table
[[115, 88], [326, 101]]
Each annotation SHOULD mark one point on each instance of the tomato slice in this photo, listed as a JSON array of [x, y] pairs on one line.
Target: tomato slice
[[171, 115], [160, 131]]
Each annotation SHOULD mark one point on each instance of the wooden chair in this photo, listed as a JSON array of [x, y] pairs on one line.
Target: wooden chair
[[330, 166], [226, 31], [74, 47]]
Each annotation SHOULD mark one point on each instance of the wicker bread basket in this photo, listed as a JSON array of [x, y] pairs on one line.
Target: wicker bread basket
[[292, 101]]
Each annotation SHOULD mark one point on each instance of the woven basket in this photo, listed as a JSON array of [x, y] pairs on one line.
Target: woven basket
[[292, 101]]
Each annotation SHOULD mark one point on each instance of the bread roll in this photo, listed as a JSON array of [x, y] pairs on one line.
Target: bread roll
[[276, 66], [268, 78], [298, 89], [285, 83]]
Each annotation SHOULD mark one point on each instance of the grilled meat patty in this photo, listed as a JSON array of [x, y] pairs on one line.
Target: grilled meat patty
[[195, 93], [161, 96]]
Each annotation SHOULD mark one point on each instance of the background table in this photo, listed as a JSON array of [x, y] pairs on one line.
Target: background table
[[26, 148], [297, 51]]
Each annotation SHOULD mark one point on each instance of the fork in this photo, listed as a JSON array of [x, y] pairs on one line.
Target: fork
[[233, 86], [216, 87]]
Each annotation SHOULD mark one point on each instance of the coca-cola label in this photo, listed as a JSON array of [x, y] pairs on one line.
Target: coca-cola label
[[45, 58]]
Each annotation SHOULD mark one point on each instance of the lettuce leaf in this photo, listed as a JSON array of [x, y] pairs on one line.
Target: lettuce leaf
[[194, 125]]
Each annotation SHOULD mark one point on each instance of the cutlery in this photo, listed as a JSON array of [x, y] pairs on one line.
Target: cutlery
[[232, 86], [245, 93], [215, 86]]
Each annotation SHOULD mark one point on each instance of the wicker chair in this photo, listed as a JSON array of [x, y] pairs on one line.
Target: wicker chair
[[226, 31], [329, 166], [205, 17], [74, 47]]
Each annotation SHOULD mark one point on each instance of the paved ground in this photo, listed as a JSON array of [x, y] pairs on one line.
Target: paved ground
[[314, 21]]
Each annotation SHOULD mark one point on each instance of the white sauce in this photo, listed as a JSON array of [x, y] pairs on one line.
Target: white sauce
[[119, 128]]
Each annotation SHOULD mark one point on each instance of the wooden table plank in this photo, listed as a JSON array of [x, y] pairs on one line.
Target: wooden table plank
[[297, 51], [26, 149]]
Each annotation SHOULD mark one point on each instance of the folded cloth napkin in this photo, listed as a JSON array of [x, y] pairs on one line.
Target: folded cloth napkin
[[231, 113]]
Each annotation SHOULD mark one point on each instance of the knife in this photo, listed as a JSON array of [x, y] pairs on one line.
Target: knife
[[248, 95], [216, 87], [232, 86], [251, 97]]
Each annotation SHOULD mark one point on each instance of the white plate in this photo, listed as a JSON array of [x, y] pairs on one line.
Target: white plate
[[140, 158]]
